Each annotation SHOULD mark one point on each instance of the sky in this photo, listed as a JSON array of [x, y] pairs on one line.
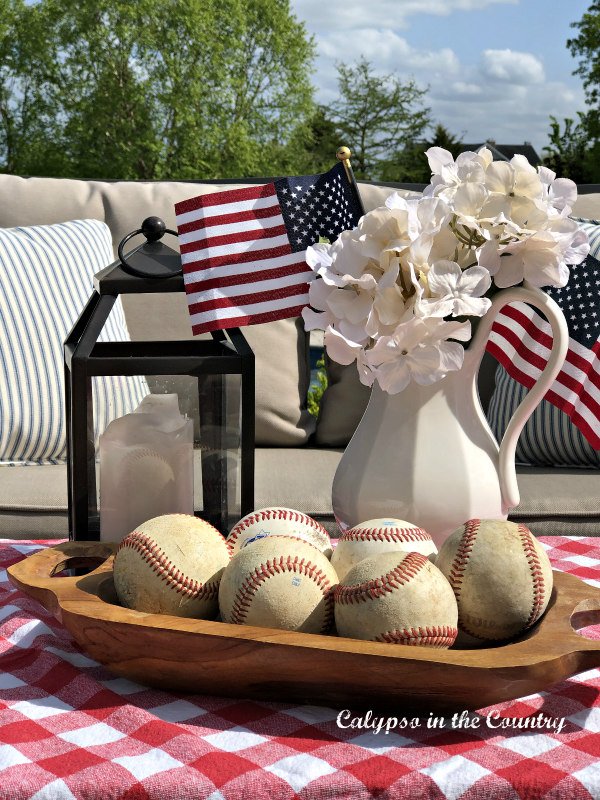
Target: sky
[[494, 69]]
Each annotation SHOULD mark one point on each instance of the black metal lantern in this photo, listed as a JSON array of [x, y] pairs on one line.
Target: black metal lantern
[[218, 373]]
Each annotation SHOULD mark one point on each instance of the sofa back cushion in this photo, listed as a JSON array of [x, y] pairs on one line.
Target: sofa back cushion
[[281, 347], [45, 277], [587, 206]]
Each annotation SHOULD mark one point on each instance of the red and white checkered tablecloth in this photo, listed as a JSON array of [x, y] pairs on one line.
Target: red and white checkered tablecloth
[[70, 729]]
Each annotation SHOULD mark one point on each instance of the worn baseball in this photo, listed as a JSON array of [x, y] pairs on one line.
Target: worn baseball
[[143, 466], [278, 521], [279, 582], [171, 564], [397, 597], [500, 575], [143, 486], [385, 535]]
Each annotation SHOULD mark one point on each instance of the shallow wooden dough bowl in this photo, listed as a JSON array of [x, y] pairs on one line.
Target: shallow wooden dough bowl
[[212, 657]]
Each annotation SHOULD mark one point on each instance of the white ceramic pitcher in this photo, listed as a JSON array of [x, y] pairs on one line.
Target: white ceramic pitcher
[[427, 454]]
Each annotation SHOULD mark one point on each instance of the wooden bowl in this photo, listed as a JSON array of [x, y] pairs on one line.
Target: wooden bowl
[[211, 657]]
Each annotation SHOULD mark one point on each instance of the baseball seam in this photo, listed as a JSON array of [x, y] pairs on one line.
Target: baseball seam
[[536, 573], [166, 570], [431, 636], [386, 534], [267, 514], [459, 565], [463, 553], [404, 572], [279, 566]]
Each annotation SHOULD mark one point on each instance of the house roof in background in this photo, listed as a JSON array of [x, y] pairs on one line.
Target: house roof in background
[[504, 152]]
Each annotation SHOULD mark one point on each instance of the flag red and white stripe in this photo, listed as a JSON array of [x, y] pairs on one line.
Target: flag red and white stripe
[[238, 265], [521, 341]]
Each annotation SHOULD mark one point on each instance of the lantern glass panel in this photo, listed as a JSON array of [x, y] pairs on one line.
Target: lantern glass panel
[[141, 472]]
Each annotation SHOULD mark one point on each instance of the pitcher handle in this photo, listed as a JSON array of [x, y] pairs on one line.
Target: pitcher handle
[[560, 342]]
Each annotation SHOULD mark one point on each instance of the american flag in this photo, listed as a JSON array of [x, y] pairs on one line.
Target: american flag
[[521, 340], [243, 250]]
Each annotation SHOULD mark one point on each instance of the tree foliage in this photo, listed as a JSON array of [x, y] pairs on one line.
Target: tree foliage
[[377, 116], [570, 154], [586, 47], [574, 152], [322, 142], [184, 89], [411, 165]]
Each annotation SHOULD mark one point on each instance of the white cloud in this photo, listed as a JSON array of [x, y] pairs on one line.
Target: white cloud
[[510, 66], [463, 89], [345, 14], [477, 92], [389, 52], [512, 116]]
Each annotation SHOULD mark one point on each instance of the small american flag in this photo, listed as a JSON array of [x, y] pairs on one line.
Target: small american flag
[[521, 340], [243, 250]]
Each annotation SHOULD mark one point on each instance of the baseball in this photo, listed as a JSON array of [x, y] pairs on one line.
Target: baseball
[[379, 536], [396, 597], [277, 521], [142, 466], [279, 582], [171, 564], [501, 577]]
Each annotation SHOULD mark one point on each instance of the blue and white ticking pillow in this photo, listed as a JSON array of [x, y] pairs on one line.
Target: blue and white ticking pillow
[[46, 276], [549, 438]]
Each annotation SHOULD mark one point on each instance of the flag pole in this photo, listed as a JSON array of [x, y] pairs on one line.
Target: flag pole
[[343, 154]]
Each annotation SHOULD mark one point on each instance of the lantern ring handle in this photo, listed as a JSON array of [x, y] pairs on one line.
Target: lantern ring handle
[[153, 229]]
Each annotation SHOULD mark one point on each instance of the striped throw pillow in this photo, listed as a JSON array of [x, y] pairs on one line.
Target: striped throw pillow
[[549, 438], [46, 276]]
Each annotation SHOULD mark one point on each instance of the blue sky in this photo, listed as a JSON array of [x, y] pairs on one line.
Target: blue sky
[[494, 68]]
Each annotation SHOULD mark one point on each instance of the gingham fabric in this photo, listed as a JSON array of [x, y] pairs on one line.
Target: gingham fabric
[[70, 729]]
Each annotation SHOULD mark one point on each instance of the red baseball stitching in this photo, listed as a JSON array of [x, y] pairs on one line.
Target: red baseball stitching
[[463, 552], [430, 636], [270, 513], [536, 572], [165, 569], [459, 565], [278, 566], [378, 587], [386, 534]]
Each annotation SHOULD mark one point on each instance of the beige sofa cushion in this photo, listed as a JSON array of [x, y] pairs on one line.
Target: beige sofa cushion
[[554, 502], [587, 206], [281, 348]]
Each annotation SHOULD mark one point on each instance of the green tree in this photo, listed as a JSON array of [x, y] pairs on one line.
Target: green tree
[[411, 166], [185, 89], [28, 135], [586, 47], [377, 116], [569, 153], [443, 138], [321, 144]]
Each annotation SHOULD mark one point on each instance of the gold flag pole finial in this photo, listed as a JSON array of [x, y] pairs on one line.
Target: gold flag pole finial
[[343, 154]]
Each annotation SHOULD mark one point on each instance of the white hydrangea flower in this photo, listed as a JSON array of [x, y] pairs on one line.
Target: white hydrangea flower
[[455, 292], [384, 291], [418, 350]]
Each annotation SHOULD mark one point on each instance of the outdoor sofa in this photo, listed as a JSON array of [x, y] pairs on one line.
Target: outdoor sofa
[[296, 455]]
